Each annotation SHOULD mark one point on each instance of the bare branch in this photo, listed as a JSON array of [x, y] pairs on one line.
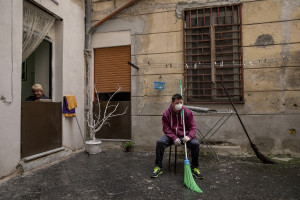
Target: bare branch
[[118, 90], [98, 102], [97, 121]]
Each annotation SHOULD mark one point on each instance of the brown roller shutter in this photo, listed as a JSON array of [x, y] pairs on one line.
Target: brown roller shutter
[[112, 69]]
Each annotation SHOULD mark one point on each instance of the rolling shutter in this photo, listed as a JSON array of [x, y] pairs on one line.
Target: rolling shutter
[[112, 69]]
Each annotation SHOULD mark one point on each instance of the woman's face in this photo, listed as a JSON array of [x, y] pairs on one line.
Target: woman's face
[[37, 94]]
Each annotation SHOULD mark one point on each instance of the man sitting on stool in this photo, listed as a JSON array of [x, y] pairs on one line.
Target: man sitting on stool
[[173, 130]]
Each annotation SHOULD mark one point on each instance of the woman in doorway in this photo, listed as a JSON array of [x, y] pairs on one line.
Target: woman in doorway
[[38, 93]]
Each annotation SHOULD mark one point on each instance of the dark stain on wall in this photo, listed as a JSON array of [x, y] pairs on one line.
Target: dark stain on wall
[[264, 40]]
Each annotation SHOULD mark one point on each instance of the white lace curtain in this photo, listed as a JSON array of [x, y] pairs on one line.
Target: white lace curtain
[[36, 25]]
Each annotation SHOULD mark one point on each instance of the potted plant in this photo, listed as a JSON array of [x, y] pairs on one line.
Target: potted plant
[[97, 120], [128, 146]]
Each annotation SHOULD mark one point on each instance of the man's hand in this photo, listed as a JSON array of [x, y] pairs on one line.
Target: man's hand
[[177, 142], [186, 139]]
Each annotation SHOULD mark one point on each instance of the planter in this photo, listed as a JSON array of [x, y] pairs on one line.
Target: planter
[[128, 146], [93, 146]]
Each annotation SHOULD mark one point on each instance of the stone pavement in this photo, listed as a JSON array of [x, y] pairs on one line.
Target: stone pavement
[[114, 174]]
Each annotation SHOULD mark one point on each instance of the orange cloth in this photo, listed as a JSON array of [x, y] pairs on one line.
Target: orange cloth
[[70, 115], [72, 103]]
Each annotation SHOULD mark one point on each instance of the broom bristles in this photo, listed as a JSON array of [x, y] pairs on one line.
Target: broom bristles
[[189, 181]]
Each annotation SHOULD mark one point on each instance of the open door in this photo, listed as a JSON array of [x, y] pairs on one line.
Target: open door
[[41, 122]]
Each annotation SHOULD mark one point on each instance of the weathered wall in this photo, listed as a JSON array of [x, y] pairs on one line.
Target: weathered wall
[[271, 42], [271, 71], [11, 22], [68, 73]]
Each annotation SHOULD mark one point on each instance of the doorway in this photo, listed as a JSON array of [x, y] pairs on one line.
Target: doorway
[[37, 69], [111, 70], [41, 122]]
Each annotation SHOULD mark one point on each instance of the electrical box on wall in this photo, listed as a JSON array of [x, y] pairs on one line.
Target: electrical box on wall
[[292, 131]]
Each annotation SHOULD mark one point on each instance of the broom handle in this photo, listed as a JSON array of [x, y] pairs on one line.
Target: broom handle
[[184, 133], [237, 114], [183, 121]]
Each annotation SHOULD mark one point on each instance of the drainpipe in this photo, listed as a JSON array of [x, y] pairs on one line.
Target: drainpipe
[[87, 58], [92, 29], [89, 29]]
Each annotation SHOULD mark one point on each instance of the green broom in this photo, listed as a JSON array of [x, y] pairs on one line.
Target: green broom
[[189, 181]]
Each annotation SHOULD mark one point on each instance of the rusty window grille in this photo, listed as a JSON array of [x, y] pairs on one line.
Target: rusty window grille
[[213, 54]]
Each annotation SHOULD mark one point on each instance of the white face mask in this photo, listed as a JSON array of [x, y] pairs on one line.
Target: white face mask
[[178, 106]]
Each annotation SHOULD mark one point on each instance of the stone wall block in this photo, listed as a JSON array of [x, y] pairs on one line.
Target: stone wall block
[[292, 78], [295, 31], [262, 79], [146, 130], [292, 101], [295, 54], [137, 86], [255, 12], [264, 102], [96, 16], [120, 3], [160, 43], [103, 6], [164, 22], [295, 11], [150, 105]]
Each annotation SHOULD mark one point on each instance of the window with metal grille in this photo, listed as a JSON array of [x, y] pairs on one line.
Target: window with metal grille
[[213, 54]]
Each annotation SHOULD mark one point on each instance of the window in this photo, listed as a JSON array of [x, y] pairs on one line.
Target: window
[[213, 54]]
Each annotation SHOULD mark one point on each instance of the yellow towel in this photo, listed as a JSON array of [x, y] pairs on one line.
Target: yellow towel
[[72, 103], [70, 115]]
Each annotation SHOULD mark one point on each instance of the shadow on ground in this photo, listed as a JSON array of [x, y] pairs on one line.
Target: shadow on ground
[[120, 175]]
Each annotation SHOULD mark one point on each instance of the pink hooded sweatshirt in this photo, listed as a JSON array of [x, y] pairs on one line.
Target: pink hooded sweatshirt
[[173, 126]]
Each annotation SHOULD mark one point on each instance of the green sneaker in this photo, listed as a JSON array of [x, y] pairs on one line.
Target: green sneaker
[[157, 171], [197, 173]]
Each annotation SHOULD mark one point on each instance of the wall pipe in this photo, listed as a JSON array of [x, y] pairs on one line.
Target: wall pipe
[[115, 12], [87, 58]]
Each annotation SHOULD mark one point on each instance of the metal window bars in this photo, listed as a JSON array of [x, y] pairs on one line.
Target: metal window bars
[[213, 35]]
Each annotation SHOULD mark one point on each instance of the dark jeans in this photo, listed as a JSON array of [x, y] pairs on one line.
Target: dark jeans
[[165, 141]]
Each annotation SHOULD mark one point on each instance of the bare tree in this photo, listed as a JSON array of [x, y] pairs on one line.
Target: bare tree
[[96, 121]]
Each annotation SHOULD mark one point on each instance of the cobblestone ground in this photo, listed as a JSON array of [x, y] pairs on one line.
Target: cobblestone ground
[[120, 175]]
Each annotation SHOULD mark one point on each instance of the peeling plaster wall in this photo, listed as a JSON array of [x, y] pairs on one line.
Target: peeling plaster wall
[[68, 73], [270, 41], [11, 22]]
